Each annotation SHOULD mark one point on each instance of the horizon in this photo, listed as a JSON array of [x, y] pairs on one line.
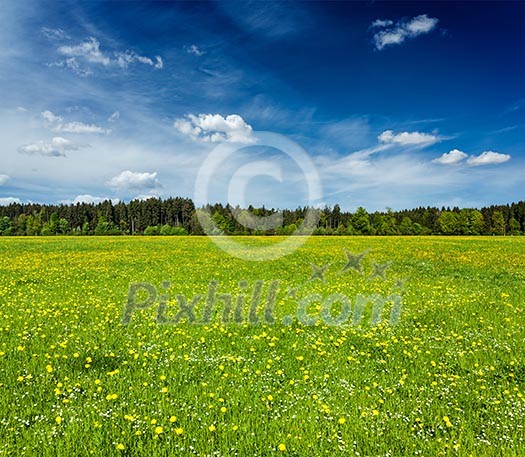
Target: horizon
[[116, 202], [399, 105]]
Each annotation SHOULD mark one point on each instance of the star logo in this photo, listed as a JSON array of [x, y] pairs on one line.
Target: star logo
[[400, 284], [353, 261], [318, 272], [380, 271]]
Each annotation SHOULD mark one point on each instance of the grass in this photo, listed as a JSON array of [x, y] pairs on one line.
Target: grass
[[447, 379]]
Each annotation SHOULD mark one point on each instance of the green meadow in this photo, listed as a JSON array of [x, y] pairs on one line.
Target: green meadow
[[445, 378]]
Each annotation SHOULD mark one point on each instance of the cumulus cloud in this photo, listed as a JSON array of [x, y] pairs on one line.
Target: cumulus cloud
[[50, 117], [451, 158], [86, 198], [195, 50], [79, 56], [488, 158], [57, 147], [215, 128], [402, 30], [132, 180], [408, 138], [57, 125], [4, 179], [6, 201]]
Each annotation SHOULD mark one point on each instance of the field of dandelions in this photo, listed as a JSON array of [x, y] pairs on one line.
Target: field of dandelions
[[446, 379]]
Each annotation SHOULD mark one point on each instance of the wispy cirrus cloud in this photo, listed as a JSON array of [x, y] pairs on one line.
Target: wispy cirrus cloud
[[54, 34], [114, 117], [399, 32], [81, 57], [126, 58], [57, 124], [195, 50]]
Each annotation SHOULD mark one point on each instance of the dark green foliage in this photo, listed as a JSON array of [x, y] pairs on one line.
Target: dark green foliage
[[178, 216]]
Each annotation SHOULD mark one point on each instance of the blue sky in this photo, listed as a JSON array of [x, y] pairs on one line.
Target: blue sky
[[397, 104]]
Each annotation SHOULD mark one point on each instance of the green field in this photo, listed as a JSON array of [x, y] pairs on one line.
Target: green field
[[447, 379]]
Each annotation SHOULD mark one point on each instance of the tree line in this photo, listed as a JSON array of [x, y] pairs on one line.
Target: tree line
[[179, 216]]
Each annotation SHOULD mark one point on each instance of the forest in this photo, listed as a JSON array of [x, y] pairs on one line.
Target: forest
[[179, 216]]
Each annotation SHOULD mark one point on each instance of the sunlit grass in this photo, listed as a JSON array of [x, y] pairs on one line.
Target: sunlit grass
[[447, 380]]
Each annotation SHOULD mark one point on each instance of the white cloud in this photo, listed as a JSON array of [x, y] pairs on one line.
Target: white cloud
[[382, 23], [6, 201], [86, 198], [132, 180], [89, 52], [4, 179], [80, 127], [215, 128], [451, 158], [407, 138], [402, 30], [124, 59], [57, 147], [54, 34], [114, 117], [50, 117], [195, 50], [488, 158], [57, 125], [420, 24]]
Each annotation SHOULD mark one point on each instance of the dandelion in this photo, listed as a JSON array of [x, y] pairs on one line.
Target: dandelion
[[212, 428], [159, 430], [447, 421], [342, 420], [179, 431], [120, 447], [173, 419], [282, 447], [58, 420]]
